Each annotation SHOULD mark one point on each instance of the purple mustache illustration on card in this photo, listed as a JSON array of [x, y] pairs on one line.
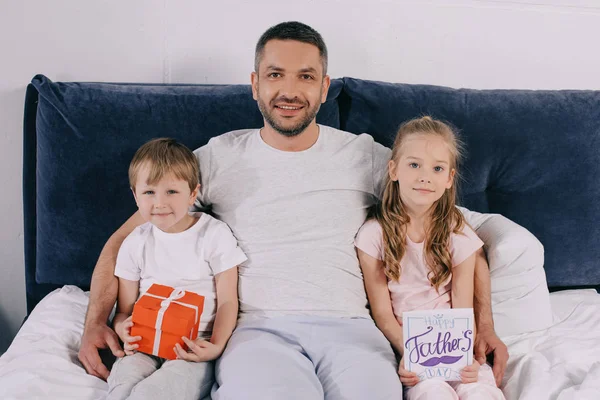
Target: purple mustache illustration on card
[[433, 361], [438, 343]]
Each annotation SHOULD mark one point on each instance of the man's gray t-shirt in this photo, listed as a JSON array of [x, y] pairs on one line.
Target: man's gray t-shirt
[[295, 215]]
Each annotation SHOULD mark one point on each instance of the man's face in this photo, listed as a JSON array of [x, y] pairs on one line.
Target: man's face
[[289, 85]]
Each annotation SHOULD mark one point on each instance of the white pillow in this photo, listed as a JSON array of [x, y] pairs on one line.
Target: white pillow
[[520, 298]]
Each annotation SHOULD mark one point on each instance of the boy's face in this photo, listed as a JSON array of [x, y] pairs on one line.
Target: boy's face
[[166, 203]]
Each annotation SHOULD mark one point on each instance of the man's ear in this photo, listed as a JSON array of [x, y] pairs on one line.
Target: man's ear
[[254, 82], [326, 84]]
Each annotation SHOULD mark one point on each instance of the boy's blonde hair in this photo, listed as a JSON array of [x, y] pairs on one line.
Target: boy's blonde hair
[[165, 156], [445, 218]]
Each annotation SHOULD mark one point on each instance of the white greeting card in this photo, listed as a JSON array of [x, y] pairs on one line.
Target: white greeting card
[[438, 343]]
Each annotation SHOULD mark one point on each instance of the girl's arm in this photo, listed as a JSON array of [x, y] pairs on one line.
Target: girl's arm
[[463, 276], [378, 294]]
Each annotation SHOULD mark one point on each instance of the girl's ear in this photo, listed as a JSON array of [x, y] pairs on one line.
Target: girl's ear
[[392, 170], [451, 178], [193, 195]]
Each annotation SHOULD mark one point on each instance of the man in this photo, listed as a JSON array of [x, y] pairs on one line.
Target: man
[[294, 194]]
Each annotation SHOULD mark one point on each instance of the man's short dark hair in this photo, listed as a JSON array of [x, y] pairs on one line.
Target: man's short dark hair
[[292, 30]]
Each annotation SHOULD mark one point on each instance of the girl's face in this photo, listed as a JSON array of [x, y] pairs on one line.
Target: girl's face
[[423, 170], [166, 203]]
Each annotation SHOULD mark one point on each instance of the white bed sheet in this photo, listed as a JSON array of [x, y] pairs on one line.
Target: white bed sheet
[[41, 362], [562, 362]]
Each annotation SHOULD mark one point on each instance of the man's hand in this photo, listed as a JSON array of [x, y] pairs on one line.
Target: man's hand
[[98, 336], [486, 342], [200, 350]]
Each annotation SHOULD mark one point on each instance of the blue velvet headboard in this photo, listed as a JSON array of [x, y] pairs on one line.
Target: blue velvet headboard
[[532, 156]]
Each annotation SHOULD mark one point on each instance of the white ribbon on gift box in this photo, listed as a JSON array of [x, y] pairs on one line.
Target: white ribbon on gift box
[[175, 295]]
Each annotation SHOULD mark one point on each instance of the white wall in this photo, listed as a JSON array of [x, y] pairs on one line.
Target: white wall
[[543, 44]]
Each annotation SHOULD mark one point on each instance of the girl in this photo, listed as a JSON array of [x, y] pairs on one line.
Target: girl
[[418, 253]]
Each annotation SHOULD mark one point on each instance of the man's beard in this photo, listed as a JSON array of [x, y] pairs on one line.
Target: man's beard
[[288, 131]]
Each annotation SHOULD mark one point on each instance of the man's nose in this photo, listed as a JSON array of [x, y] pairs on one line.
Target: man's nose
[[289, 88]]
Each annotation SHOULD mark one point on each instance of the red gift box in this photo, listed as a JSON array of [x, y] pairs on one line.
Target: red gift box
[[162, 316]]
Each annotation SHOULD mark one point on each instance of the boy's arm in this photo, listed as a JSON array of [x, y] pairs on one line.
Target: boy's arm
[[225, 321], [128, 294], [103, 293], [227, 307], [376, 285]]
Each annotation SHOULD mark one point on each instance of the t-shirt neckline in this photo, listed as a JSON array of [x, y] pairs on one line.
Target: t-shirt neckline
[[311, 148]]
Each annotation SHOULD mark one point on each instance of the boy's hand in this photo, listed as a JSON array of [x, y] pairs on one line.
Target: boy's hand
[[406, 377], [200, 350], [470, 373], [129, 342]]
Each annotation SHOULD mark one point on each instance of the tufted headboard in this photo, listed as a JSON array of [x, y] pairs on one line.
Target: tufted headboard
[[533, 156]]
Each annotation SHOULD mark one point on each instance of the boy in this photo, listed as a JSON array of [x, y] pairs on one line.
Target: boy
[[189, 251]]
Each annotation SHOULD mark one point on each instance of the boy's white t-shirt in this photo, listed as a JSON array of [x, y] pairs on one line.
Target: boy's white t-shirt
[[188, 260]]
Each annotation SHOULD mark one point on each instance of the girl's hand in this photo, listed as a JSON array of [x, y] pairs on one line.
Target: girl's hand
[[470, 373], [123, 330], [200, 350], [406, 377]]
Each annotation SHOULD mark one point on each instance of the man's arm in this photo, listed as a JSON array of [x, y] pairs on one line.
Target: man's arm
[[486, 340], [103, 294]]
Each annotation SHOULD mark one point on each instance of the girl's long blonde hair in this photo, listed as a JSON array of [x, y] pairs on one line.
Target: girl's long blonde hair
[[445, 217]]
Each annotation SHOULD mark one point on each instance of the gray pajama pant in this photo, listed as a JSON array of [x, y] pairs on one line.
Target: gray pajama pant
[[307, 358], [141, 376]]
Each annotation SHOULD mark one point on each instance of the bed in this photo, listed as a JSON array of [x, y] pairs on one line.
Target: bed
[[534, 158]]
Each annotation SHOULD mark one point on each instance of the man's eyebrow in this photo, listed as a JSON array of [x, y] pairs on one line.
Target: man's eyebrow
[[274, 68], [308, 69]]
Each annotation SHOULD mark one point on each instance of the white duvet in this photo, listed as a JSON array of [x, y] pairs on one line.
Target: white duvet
[[562, 362]]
